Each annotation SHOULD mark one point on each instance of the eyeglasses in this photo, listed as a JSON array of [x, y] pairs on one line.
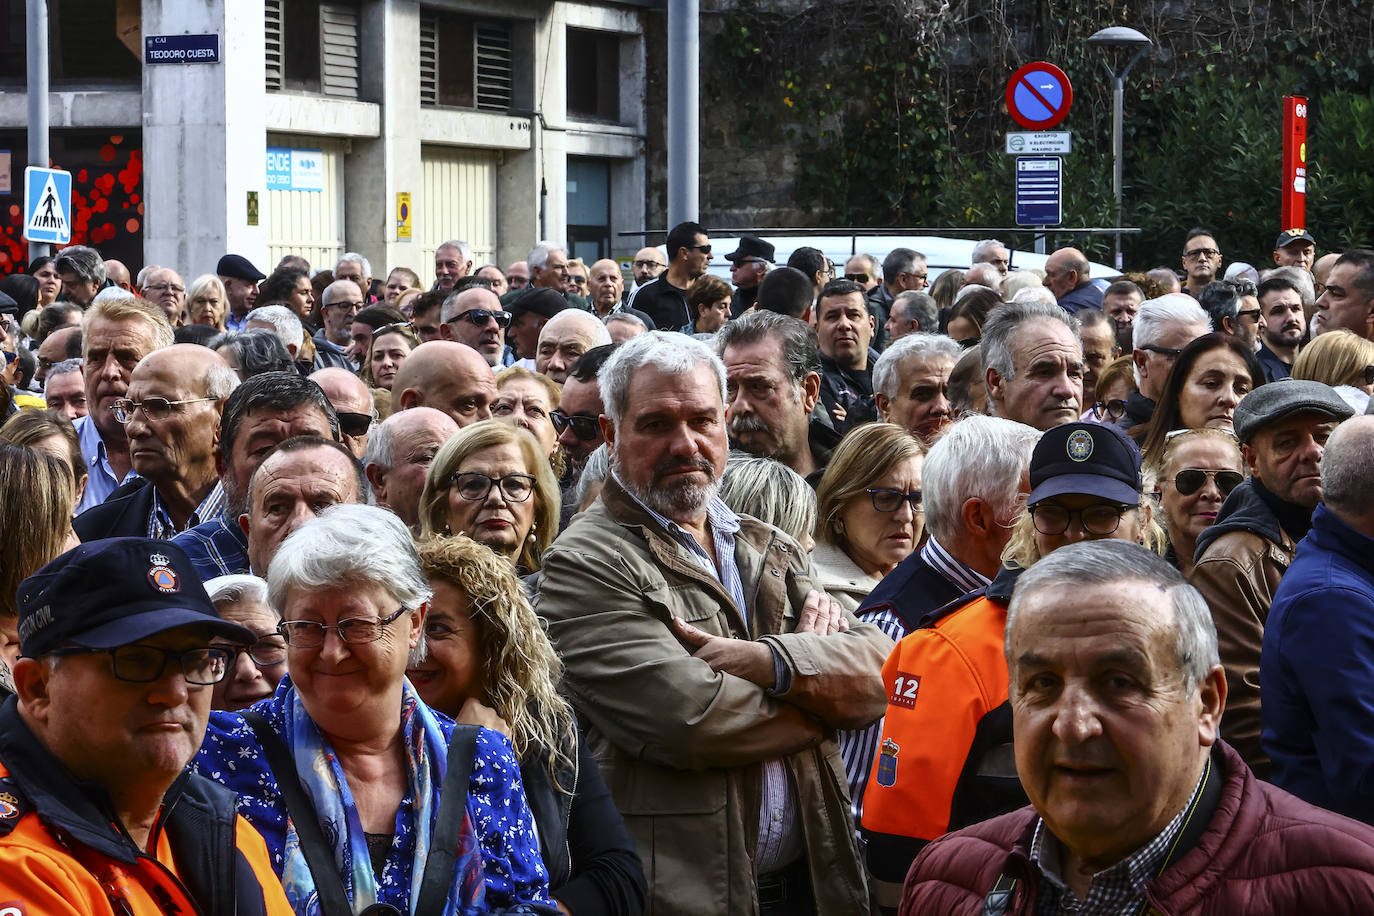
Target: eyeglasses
[[1170, 352], [578, 280], [351, 306], [650, 263], [922, 275], [163, 287], [1100, 519], [153, 408], [480, 317], [584, 426], [1246, 312], [886, 500], [1115, 408], [1189, 480], [354, 424], [857, 278], [356, 631], [515, 488], [140, 664], [267, 652], [1201, 253], [704, 249]]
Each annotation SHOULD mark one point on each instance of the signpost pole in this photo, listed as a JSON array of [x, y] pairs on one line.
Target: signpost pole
[[37, 92], [1118, 104]]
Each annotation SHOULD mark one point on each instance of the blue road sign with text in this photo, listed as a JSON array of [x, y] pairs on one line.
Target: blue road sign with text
[[1039, 190]]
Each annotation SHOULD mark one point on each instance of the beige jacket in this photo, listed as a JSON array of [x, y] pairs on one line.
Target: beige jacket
[[841, 578], [682, 746]]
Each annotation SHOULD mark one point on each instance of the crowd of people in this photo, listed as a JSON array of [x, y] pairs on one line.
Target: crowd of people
[[828, 590]]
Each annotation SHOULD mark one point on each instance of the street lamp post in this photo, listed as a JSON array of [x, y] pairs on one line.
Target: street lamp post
[[1119, 37]]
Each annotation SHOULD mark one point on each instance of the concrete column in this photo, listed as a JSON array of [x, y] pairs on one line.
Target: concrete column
[[379, 168], [204, 139]]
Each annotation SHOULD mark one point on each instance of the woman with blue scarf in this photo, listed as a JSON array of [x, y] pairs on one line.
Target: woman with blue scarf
[[368, 753]]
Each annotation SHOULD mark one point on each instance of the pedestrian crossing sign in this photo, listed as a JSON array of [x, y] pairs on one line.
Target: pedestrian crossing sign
[[47, 205]]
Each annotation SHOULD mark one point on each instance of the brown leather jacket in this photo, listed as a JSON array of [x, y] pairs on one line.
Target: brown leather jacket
[[1241, 559], [681, 746]]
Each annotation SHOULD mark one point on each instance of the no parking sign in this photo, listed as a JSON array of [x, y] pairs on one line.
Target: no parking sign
[[1039, 96]]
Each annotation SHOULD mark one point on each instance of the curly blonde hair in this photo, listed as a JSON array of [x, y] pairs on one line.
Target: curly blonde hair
[[482, 435], [520, 670]]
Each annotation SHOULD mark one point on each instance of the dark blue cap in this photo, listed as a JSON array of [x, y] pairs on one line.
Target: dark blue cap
[[114, 592], [238, 267], [1088, 459]]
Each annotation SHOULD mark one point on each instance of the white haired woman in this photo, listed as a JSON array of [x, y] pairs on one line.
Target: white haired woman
[[257, 669], [344, 770]]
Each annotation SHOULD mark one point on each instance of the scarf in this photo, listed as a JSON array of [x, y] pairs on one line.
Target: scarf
[[323, 779]]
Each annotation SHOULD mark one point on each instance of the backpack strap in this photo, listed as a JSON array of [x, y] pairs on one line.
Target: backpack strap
[[319, 855], [448, 824]]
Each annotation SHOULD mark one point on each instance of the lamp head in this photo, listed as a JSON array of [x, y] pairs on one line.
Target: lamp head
[[1119, 36]]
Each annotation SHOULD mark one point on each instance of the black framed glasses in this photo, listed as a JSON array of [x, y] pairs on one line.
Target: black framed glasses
[[857, 278], [1189, 480], [354, 424], [648, 264], [153, 408], [584, 426], [480, 317], [1170, 352], [351, 306], [140, 664], [356, 631], [887, 500], [1101, 519], [515, 488], [164, 287], [267, 652], [1114, 409], [1201, 253], [1243, 313]]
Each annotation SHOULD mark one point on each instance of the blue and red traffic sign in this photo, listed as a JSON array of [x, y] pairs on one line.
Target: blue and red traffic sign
[[1039, 96]]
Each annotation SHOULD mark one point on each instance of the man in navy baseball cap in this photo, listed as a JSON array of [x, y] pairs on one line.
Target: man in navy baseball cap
[[112, 694]]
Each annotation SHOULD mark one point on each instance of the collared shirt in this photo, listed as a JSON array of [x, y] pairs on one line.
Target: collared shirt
[[1119, 889], [100, 477], [161, 526], [780, 841], [960, 574], [234, 322], [216, 548]]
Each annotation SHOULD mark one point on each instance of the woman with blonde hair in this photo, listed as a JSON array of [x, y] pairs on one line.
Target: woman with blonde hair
[[206, 301], [869, 515], [528, 400], [1342, 359], [487, 662], [492, 482], [1196, 471], [49, 431]]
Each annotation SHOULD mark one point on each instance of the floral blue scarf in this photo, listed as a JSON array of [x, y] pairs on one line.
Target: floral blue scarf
[[324, 781]]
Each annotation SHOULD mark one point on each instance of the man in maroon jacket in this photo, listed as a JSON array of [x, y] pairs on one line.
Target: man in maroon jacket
[[1117, 694]]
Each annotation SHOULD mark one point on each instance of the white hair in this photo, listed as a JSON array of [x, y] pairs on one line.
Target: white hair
[[141, 280], [358, 259], [887, 374], [1345, 467], [982, 252], [1018, 280], [980, 456], [220, 380], [67, 365], [1034, 294], [539, 254], [112, 294], [625, 318], [1156, 316], [236, 588], [667, 351], [464, 248], [285, 323]]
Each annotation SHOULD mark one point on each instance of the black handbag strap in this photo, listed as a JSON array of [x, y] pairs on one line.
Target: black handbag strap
[[319, 855], [448, 825]]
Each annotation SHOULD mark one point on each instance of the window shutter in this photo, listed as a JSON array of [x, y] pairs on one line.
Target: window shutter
[[272, 43], [339, 44], [493, 66], [429, 60]]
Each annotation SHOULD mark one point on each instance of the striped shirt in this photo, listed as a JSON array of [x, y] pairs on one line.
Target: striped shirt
[[780, 840], [160, 524]]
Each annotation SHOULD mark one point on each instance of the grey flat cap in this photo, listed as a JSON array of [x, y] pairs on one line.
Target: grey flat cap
[[1283, 398]]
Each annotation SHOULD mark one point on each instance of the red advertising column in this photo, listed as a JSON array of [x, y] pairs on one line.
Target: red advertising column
[[1293, 213]]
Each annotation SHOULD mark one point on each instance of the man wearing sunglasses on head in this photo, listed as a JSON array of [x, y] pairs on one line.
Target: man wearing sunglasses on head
[[664, 299], [97, 813], [475, 317], [171, 417], [1282, 428]]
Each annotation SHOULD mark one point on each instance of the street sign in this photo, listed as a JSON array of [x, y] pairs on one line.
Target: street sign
[[403, 224], [1038, 142], [1039, 190], [295, 169], [1039, 96], [181, 49], [47, 205], [1293, 191]]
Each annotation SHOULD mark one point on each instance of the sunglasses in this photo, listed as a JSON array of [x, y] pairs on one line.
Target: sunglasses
[[354, 424], [857, 278], [583, 426], [480, 317], [1189, 480]]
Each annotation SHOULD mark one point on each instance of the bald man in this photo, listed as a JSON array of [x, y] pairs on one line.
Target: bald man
[[1066, 275], [64, 343], [398, 457], [447, 376], [352, 402], [649, 263], [165, 287], [118, 274], [566, 337]]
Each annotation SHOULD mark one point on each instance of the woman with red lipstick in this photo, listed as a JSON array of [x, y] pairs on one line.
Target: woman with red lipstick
[[1199, 469], [868, 510], [492, 481], [487, 662]]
